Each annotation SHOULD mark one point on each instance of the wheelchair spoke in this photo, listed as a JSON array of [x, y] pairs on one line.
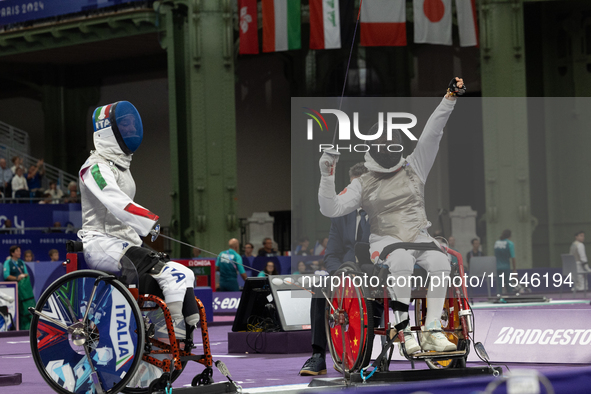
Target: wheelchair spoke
[[93, 374], [57, 323], [90, 301]]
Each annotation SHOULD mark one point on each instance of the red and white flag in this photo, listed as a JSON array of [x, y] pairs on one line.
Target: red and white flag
[[249, 38], [432, 21], [467, 22], [325, 24], [383, 23]]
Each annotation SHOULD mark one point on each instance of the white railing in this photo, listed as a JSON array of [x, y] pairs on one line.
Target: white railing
[[51, 173], [14, 138]]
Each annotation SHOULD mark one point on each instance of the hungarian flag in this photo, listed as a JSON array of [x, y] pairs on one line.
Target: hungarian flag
[[467, 22], [432, 21], [249, 38], [281, 25], [325, 24], [383, 23]]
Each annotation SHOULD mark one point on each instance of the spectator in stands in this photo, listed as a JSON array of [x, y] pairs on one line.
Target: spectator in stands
[[46, 199], [16, 163], [5, 179], [57, 227], [248, 249], [55, 192], [302, 269], [34, 177], [229, 263], [20, 188], [320, 248], [269, 270], [7, 227], [475, 252], [73, 187], [54, 255], [29, 256], [16, 270], [267, 249], [302, 249], [73, 198]]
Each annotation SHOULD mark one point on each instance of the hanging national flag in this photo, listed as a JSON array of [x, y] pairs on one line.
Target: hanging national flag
[[249, 38], [325, 24], [432, 21], [467, 22], [281, 25], [383, 23]]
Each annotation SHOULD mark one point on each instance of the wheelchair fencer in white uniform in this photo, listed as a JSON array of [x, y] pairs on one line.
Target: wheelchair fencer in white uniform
[[112, 222], [392, 194]]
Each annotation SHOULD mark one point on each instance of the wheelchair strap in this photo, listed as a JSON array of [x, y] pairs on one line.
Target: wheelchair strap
[[398, 306], [408, 246]]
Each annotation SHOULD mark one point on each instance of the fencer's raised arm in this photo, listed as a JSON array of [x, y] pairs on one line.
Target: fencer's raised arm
[[331, 204], [423, 156], [100, 181]]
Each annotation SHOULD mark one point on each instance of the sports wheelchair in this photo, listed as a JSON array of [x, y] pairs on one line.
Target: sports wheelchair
[[353, 316], [92, 332]]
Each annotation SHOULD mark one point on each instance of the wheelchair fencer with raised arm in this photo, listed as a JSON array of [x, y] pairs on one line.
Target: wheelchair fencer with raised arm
[[352, 321], [91, 331], [392, 195]]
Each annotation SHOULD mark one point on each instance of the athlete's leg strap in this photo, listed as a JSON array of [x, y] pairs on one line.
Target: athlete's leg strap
[[145, 260]]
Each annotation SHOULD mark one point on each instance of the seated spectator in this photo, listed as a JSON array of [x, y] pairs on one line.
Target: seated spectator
[[314, 266], [267, 249], [7, 227], [302, 269], [55, 192], [20, 188], [269, 269], [34, 177], [16, 163], [73, 198], [5, 179], [54, 255], [302, 249], [248, 249], [57, 228], [46, 199], [73, 186], [320, 248], [29, 256]]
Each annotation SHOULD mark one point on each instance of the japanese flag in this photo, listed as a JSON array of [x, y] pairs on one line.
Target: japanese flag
[[432, 21]]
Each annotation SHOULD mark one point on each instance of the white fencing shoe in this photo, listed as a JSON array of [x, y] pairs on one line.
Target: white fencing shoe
[[409, 342], [436, 341]]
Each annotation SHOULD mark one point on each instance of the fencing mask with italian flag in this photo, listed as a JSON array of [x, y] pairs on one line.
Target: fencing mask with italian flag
[[124, 121]]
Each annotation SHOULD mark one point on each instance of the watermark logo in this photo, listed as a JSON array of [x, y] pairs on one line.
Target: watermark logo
[[391, 123]]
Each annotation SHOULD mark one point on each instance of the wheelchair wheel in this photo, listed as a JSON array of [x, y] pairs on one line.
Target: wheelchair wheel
[[357, 341], [110, 342], [449, 320]]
